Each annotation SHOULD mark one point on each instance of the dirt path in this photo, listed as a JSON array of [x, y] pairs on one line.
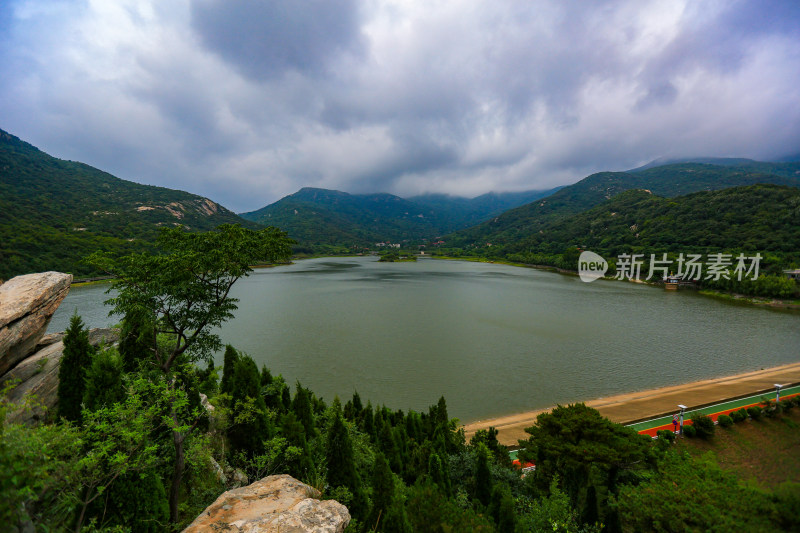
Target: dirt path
[[629, 407]]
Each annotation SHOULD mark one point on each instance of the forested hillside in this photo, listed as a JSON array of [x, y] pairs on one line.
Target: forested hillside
[[667, 181], [316, 217], [55, 212]]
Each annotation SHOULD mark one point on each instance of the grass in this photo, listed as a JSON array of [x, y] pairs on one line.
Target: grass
[[764, 452]]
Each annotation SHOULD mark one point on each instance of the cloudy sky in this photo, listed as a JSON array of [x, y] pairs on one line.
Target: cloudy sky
[[245, 101]]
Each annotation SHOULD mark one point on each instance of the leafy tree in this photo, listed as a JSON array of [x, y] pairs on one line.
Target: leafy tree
[[185, 292], [75, 360]]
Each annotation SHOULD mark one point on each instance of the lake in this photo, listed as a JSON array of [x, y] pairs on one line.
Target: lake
[[493, 339]]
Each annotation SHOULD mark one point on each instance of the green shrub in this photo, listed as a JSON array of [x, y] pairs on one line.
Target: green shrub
[[754, 412], [725, 421], [796, 401], [703, 425], [737, 416], [666, 435], [770, 408], [787, 405], [743, 413], [689, 431]]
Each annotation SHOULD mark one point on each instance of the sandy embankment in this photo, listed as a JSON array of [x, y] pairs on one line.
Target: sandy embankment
[[629, 407]]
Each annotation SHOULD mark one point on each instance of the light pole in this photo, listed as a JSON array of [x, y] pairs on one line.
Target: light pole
[[778, 392], [683, 409]]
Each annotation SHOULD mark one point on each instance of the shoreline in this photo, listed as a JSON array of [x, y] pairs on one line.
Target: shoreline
[[644, 404], [755, 301]]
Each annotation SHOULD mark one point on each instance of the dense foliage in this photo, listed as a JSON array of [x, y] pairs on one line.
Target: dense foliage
[[762, 219], [55, 212], [666, 181], [319, 217]]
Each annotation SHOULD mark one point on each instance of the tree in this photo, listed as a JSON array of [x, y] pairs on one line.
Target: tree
[[341, 463], [72, 373], [228, 368], [104, 380], [185, 293], [483, 476], [136, 340], [250, 427], [584, 448], [382, 492]]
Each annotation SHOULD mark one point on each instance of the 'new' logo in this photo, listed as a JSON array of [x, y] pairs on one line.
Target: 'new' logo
[[591, 266]]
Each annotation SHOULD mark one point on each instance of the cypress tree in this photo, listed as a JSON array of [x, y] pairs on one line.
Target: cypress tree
[[266, 376], [248, 436], [438, 474], [228, 369], [357, 405], [341, 464], [502, 509], [368, 421], [396, 520], [483, 476], [136, 340], [76, 358], [382, 492], [302, 409], [104, 380]]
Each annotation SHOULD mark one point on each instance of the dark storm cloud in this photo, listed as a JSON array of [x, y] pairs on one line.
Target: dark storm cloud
[[266, 39], [246, 101]]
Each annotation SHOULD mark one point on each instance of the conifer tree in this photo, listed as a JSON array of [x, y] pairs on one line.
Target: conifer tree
[[136, 340], [382, 492], [76, 358], [438, 474], [502, 509], [483, 476], [104, 380], [248, 433], [302, 409], [341, 464], [228, 369], [396, 520]]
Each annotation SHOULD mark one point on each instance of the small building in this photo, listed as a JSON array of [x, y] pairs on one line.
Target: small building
[[793, 274]]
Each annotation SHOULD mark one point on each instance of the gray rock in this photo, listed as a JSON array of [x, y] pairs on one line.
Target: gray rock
[[272, 505], [26, 305], [36, 391]]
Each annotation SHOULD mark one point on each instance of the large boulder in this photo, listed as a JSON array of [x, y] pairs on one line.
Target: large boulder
[[274, 504], [37, 378], [26, 305]]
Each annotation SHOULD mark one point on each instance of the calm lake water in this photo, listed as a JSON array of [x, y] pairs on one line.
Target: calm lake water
[[493, 339]]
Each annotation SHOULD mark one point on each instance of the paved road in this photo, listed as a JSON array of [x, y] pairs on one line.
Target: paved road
[[644, 405]]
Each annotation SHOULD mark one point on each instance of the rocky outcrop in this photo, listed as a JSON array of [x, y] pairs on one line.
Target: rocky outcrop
[[37, 377], [26, 305], [28, 358], [274, 504]]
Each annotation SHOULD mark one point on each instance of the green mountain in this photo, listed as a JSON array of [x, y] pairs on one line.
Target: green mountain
[[752, 218], [55, 212], [518, 224], [324, 217]]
